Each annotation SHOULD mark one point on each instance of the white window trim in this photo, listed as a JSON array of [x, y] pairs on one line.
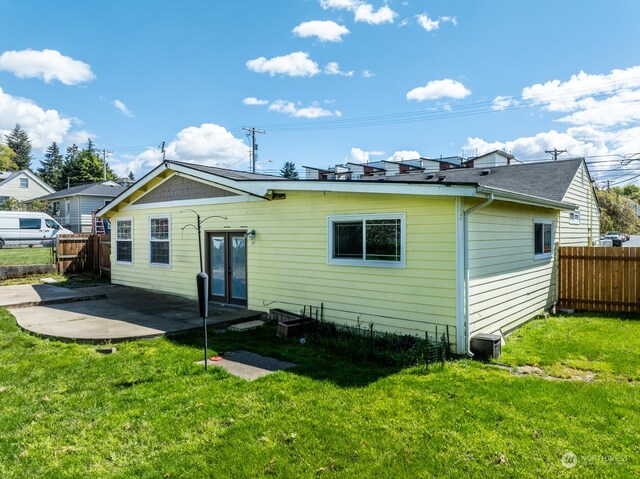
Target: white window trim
[[115, 236], [362, 262], [168, 240], [572, 217], [543, 256]]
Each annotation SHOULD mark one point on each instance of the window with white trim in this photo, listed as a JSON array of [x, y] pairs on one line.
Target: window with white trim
[[124, 240], [543, 239], [574, 217], [24, 182], [367, 240], [159, 241]]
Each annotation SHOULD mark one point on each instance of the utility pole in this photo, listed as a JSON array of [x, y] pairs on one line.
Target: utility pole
[[555, 152], [254, 146], [162, 149], [104, 163]]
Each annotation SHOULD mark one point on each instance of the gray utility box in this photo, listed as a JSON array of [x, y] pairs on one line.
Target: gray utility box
[[486, 346]]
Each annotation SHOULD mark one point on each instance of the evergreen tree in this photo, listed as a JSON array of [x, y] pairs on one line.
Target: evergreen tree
[[85, 166], [6, 159], [132, 176], [19, 142], [52, 167], [289, 171]]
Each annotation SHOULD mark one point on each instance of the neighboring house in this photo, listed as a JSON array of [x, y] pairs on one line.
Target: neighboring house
[[22, 185], [471, 250], [74, 206]]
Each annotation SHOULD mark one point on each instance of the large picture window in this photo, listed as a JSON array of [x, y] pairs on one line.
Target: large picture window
[[159, 241], [543, 239], [367, 240], [124, 240]]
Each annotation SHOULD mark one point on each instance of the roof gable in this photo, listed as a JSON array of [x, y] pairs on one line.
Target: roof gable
[[29, 175], [177, 188]]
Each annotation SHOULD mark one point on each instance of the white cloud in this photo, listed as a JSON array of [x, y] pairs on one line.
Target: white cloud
[[296, 64], [46, 64], [332, 68], [326, 31], [403, 155], [502, 102], [439, 89], [253, 101], [430, 24], [122, 108], [363, 12], [427, 23], [208, 144], [367, 74], [291, 109], [357, 155], [42, 126], [580, 141], [366, 13], [339, 4]]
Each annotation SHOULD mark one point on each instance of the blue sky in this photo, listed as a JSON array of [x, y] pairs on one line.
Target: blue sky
[[328, 80]]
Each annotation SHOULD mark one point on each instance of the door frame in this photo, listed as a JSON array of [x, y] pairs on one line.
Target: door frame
[[228, 296]]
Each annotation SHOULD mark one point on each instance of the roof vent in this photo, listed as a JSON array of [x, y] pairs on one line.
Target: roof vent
[[430, 176], [485, 172]]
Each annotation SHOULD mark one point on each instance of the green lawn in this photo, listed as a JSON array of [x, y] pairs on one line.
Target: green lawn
[[149, 411], [25, 256]]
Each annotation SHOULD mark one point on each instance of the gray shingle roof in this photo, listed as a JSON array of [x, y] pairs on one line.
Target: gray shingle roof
[[548, 180], [91, 189], [223, 172]]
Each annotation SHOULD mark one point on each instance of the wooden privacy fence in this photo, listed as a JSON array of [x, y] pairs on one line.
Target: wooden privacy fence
[[599, 278], [84, 252]]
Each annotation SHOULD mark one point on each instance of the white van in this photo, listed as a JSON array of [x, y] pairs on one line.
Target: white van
[[27, 228]]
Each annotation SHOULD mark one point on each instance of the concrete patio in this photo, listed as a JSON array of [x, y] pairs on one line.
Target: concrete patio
[[109, 313]]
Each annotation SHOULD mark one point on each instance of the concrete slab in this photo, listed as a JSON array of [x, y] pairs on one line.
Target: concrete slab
[[249, 366], [248, 326], [36, 294], [123, 314]]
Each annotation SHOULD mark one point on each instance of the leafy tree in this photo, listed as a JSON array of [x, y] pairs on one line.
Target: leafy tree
[[289, 171], [52, 167], [13, 204], [6, 159], [630, 191], [617, 214], [85, 166], [19, 142]]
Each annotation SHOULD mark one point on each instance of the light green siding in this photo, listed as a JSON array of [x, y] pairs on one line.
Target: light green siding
[[287, 261], [507, 285], [587, 231]]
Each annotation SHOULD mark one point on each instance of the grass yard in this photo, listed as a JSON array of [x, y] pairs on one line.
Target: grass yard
[[149, 411], [25, 256]]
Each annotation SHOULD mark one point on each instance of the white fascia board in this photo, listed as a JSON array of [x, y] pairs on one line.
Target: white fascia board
[[38, 180], [251, 187], [526, 199], [370, 187]]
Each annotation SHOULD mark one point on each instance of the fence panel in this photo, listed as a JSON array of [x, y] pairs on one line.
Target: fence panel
[[600, 279], [81, 252], [104, 256]]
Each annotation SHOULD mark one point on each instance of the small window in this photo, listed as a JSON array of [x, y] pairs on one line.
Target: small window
[[574, 217], [124, 240], [543, 239], [159, 241], [51, 224], [24, 182], [366, 240], [30, 223]]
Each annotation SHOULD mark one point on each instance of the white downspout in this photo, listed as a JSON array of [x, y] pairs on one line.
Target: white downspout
[[467, 212]]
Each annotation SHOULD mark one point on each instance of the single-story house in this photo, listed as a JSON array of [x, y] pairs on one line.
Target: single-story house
[[73, 207], [22, 185], [464, 250]]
